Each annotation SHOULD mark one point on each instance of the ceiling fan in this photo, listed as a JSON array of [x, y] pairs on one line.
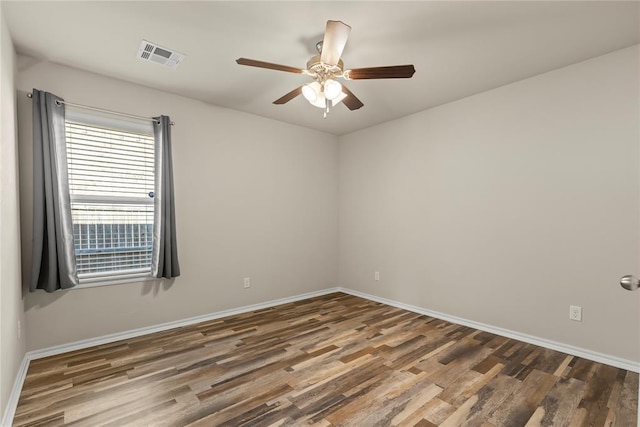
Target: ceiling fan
[[325, 91]]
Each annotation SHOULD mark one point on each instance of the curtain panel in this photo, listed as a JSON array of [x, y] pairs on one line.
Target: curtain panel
[[165, 253], [53, 257]]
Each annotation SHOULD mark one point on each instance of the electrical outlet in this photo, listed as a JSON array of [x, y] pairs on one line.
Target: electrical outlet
[[575, 313], [247, 282], [376, 276]]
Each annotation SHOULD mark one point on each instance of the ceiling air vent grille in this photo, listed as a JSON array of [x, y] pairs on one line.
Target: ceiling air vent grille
[[160, 55]]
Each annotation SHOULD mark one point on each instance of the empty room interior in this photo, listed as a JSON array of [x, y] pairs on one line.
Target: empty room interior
[[320, 213]]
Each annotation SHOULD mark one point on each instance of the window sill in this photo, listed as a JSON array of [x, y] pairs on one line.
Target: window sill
[[106, 281]]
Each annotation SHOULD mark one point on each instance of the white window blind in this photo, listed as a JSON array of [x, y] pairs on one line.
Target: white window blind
[[111, 184]]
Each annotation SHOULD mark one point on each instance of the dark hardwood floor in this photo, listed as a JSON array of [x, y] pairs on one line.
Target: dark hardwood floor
[[332, 360]]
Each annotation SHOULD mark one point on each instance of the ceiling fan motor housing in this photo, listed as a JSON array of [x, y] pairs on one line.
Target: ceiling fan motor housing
[[321, 71]]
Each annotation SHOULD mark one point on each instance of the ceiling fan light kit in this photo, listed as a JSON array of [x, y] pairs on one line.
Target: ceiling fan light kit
[[330, 96], [325, 91], [330, 90]]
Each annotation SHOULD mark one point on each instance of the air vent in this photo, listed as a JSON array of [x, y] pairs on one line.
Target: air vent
[[160, 55]]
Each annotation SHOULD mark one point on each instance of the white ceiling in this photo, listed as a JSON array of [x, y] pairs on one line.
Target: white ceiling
[[458, 48]]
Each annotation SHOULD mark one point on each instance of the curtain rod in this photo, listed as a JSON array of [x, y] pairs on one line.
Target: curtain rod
[[102, 110]]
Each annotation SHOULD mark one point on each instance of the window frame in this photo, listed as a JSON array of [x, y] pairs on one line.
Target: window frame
[[119, 124]]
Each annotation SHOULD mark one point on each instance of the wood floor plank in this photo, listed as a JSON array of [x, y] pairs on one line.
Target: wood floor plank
[[333, 360], [437, 411], [520, 406], [625, 407], [561, 400]]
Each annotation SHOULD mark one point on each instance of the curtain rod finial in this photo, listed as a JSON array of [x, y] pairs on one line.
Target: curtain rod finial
[[29, 95]]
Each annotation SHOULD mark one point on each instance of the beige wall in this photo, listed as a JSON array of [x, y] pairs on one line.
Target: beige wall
[[502, 208], [12, 348], [255, 198], [507, 206]]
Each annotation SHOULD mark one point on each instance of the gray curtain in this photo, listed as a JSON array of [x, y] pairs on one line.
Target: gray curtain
[[53, 257], [165, 259]]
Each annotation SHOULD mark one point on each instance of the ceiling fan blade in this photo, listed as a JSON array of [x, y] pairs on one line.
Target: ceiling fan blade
[[269, 65], [391, 72], [288, 97], [335, 38], [351, 101]]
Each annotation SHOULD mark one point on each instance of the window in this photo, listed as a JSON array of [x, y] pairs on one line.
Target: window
[[103, 196], [111, 173]]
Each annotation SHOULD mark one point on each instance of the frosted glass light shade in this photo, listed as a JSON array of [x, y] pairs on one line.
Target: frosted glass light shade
[[320, 102], [311, 91], [332, 89], [338, 99]]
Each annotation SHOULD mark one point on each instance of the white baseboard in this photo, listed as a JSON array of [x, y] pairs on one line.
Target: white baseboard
[[12, 403], [542, 342], [105, 339], [607, 359]]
